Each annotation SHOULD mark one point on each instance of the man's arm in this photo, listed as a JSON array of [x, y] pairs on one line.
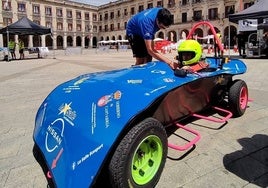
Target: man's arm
[[155, 54]]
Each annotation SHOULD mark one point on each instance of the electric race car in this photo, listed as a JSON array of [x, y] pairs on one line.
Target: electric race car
[[111, 127]]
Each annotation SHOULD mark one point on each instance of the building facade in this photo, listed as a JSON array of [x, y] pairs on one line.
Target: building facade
[[82, 25], [113, 17], [73, 24]]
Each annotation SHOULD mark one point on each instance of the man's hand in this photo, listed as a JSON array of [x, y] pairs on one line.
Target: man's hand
[[173, 65]]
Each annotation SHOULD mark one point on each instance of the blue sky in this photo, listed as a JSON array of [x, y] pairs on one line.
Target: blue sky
[[94, 2]]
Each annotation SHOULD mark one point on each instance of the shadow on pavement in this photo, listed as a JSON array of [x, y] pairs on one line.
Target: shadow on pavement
[[250, 163]]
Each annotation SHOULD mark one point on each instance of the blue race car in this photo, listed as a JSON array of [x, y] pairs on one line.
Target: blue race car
[[110, 128]]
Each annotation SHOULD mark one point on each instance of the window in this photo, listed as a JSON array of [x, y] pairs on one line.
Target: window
[[36, 9], [48, 24], [197, 15], [132, 10], [59, 12], [246, 5], [48, 11], [78, 15], [171, 3], [6, 5], [106, 16], [59, 26], [160, 3], [229, 10], [184, 17], [150, 5], [184, 2], [21, 7], [141, 8], [86, 16], [112, 27], [70, 26], [95, 17], [125, 12], [87, 28], [118, 26], [100, 28], [7, 21], [118, 13], [212, 13], [95, 28], [36, 21], [112, 15], [69, 14], [78, 27]]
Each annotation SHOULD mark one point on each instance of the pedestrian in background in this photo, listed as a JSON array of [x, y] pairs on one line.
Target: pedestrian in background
[[241, 41], [21, 49], [217, 50], [12, 48]]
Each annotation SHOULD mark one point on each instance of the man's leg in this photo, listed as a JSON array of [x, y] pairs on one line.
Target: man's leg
[[239, 50], [139, 49], [148, 59], [140, 61]]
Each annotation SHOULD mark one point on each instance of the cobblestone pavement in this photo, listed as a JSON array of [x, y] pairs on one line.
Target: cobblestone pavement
[[231, 155]]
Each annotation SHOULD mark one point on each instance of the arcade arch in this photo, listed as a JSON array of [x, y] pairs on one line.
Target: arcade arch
[[78, 41], [69, 41], [59, 42]]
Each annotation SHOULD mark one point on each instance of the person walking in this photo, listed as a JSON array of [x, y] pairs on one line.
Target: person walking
[[11, 48], [241, 41], [218, 52], [140, 31], [21, 49]]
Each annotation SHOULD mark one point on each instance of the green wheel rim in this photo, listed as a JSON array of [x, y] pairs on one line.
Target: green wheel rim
[[146, 160]]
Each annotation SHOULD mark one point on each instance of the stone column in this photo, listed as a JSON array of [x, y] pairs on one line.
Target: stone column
[[65, 41], [30, 41]]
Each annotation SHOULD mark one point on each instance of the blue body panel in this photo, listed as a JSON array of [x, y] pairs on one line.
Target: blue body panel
[[79, 121]]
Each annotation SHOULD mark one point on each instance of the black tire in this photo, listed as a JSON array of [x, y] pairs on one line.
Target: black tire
[[146, 141], [238, 97]]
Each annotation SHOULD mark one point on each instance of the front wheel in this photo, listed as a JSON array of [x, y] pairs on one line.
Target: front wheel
[[238, 97], [140, 157]]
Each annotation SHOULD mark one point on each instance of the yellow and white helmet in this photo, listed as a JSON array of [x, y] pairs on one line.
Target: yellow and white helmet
[[190, 46]]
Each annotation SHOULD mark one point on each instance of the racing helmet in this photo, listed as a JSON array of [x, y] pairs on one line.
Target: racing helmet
[[193, 49]]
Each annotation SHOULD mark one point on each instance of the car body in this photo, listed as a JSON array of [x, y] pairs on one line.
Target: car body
[[80, 122], [110, 128]]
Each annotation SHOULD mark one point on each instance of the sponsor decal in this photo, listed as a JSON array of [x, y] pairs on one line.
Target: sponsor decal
[[80, 81], [155, 90], [54, 135], [104, 100], [93, 117], [134, 81], [68, 114], [168, 80], [158, 72], [108, 102], [53, 140], [117, 108], [108, 98], [86, 156], [75, 86]]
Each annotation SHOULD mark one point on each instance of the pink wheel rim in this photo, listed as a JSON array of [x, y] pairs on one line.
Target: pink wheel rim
[[243, 98]]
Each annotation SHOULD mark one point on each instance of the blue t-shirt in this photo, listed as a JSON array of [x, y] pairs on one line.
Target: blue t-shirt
[[144, 24]]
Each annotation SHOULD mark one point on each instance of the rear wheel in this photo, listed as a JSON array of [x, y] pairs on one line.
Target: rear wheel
[[140, 157], [238, 97]]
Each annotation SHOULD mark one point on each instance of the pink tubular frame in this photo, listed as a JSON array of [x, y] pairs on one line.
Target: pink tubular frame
[[197, 134]]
